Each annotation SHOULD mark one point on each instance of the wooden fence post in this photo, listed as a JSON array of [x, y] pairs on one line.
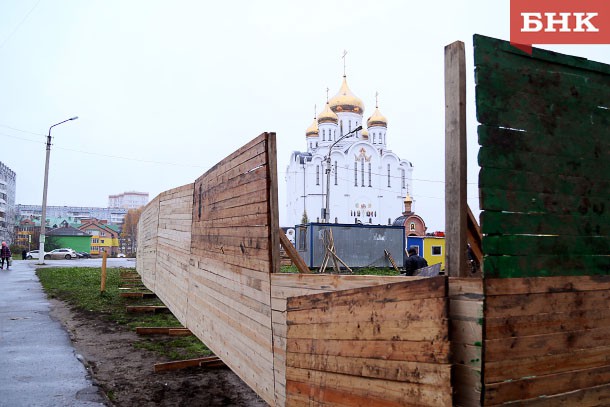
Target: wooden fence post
[[103, 282], [455, 160]]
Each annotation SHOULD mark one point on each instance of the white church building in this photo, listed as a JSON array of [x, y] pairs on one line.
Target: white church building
[[368, 182]]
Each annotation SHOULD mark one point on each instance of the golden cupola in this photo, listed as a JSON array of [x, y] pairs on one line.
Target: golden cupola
[[377, 119], [365, 134], [327, 116], [312, 131], [346, 101]]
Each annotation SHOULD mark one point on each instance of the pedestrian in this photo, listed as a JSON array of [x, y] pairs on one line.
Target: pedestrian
[[24, 254], [5, 254], [414, 262]]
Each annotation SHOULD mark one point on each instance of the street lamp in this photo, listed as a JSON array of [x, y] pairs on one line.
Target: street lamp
[[327, 209], [43, 218]]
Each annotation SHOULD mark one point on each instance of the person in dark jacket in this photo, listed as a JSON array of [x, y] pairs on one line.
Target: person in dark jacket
[[414, 262], [5, 254], [24, 254]]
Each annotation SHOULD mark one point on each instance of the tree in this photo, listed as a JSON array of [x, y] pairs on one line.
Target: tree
[[304, 219], [51, 243], [129, 230]]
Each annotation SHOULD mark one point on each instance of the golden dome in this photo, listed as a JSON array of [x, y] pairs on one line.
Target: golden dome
[[408, 198], [312, 131], [328, 116], [365, 134], [377, 119], [346, 101]]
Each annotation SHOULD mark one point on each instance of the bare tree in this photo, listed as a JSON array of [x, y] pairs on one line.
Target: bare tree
[[129, 231]]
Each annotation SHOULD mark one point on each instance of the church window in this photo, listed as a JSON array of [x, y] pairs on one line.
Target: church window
[[389, 221], [403, 178], [370, 175], [310, 145], [324, 135], [370, 220], [317, 175], [374, 138], [316, 144], [336, 220], [389, 184], [350, 125], [335, 135], [362, 172], [336, 173], [356, 173]]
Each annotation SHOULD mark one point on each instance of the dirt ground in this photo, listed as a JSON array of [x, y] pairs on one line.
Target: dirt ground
[[126, 376]]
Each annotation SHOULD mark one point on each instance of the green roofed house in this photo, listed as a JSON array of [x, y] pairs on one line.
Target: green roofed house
[[71, 237]]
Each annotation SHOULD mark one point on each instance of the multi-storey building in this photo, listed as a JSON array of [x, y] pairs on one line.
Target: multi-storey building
[[113, 216], [7, 203], [128, 200]]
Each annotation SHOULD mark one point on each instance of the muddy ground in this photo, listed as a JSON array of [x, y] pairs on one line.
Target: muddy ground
[[125, 373]]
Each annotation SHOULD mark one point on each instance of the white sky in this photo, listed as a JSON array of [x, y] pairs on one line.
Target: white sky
[[165, 89]]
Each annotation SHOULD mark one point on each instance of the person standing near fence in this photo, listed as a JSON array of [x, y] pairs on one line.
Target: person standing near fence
[[414, 262], [5, 255]]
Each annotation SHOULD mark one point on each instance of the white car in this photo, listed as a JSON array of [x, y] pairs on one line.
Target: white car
[[32, 254], [64, 253], [120, 255]]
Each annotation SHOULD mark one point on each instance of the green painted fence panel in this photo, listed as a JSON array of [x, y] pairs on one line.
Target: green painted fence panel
[[545, 161]]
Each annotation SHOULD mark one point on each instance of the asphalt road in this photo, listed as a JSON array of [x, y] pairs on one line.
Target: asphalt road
[[38, 365]]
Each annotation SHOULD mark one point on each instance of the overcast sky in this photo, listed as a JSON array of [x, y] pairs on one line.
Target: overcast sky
[[165, 89]]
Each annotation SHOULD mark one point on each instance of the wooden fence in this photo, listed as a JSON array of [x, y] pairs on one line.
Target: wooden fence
[[210, 251], [533, 330], [544, 300]]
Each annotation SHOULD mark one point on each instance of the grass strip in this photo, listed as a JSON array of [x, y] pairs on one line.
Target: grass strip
[[80, 288]]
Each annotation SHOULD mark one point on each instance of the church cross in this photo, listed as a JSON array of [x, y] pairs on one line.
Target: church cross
[[344, 54], [376, 99]]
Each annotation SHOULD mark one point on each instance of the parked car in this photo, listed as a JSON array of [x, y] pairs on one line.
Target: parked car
[[32, 254], [64, 253], [120, 255], [83, 255]]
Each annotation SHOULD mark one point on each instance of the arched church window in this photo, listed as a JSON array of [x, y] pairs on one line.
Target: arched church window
[[350, 125], [370, 175], [316, 144], [317, 175], [324, 135], [336, 220], [362, 171], [336, 174], [389, 183], [403, 177], [356, 173], [374, 140]]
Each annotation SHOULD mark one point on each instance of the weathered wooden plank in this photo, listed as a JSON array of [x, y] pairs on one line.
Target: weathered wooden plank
[[467, 386], [544, 385], [543, 245], [545, 323], [465, 288], [495, 52], [543, 224], [587, 397], [402, 371], [405, 330], [338, 388], [540, 365], [423, 288], [209, 361], [497, 157], [535, 202], [427, 308], [455, 159], [545, 266], [531, 285], [424, 351], [564, 184], [292, 253], [550, 344], [532, 304], [543, 143]]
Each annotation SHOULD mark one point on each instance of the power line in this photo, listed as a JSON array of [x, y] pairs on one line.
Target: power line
[[19, 25]]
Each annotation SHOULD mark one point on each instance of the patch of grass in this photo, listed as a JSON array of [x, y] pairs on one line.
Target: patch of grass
[[188, 347], [80, 287], [365, 271]]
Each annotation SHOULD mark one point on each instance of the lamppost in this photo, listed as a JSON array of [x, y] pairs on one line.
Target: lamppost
[[43, 218], [327, 209]]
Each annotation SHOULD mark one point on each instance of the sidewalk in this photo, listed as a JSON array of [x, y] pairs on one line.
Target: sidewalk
[[38, 366]]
